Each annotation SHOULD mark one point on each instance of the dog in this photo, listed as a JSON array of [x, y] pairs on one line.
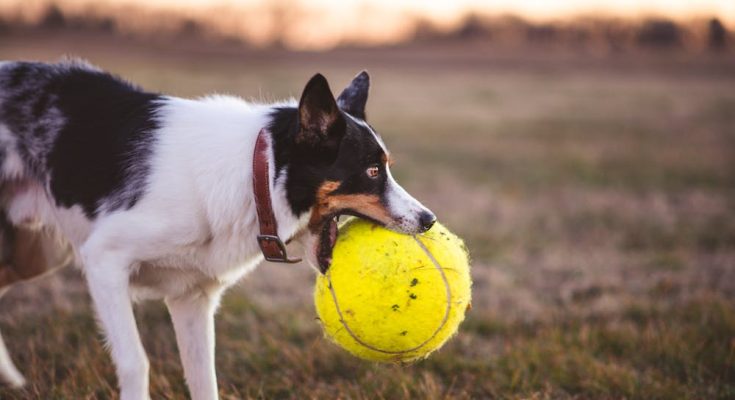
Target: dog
[[152, 196]]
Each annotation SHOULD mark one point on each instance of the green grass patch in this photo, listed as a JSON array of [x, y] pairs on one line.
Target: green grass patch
[[647, 352]]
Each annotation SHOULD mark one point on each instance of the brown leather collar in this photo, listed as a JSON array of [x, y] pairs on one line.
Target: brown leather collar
[[270, 244]]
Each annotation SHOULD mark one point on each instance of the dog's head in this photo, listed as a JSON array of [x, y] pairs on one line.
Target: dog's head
[[338, 165]]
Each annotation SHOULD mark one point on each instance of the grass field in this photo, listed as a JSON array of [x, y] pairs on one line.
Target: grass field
[[596, 195]]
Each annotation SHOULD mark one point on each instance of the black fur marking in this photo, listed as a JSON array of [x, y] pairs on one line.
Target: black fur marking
[[41, 105], [307, 167], [7, 237], [319, 117], [283, 126], [108, 155], [354, 98], [18, 75], [27, 109], [86, 133]]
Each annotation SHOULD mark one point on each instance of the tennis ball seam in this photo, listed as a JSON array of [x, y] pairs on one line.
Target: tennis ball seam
[[447, 310]]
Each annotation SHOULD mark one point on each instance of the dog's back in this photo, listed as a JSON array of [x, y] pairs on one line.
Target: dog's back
[[79, 131]]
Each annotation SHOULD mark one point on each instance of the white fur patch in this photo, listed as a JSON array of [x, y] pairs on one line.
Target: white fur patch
[[403, 206], [12, 166]]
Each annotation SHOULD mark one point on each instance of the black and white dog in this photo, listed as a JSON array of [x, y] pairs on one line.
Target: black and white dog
[[153, 195]]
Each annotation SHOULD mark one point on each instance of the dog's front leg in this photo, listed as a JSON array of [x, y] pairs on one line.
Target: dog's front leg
[[193, 318], [108, 275]]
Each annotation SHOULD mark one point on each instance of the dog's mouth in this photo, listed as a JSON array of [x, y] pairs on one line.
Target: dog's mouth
[[327, 239], [328, 232]]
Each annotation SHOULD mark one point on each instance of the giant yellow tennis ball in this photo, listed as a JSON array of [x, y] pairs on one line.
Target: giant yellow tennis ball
[[393, 297]]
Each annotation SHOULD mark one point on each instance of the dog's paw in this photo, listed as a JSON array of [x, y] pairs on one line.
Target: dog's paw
[[14, 379]]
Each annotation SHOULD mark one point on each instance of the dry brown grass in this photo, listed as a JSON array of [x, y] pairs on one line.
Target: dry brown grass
[[596, 197]]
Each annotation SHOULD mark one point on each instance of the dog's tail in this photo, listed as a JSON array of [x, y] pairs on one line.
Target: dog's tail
[[8, 373]]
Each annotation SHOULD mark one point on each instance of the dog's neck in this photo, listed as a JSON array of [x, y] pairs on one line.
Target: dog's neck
[[299, 185], [287, 222]]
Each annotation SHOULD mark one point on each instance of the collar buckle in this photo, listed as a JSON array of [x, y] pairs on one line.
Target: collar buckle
[[274, 250]]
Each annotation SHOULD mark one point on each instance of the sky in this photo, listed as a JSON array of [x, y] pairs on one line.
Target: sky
[[325, 23], [528, 8]]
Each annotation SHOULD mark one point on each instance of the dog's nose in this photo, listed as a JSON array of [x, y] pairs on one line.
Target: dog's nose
[[426, 220]]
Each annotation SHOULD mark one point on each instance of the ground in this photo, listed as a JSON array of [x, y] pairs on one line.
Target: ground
[[595, 192]]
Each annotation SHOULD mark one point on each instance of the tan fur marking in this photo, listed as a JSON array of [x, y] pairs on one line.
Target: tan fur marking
[[369, 205], [7, 276], [387, 159], [326, 204], [34, 252], [321, 206]]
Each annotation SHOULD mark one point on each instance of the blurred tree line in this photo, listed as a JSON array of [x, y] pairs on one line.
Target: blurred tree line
[[613, 34]]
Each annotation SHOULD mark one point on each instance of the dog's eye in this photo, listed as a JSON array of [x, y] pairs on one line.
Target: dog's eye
[[373, 171]]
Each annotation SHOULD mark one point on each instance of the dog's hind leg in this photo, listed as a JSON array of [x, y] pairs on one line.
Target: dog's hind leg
[[25, 254], [30, 253], [8, 373]]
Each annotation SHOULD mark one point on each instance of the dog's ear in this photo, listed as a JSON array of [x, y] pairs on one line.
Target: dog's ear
[[318, 112], [354, 97]]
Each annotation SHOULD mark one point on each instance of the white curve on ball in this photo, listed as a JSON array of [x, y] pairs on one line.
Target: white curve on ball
[[444, 320]]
